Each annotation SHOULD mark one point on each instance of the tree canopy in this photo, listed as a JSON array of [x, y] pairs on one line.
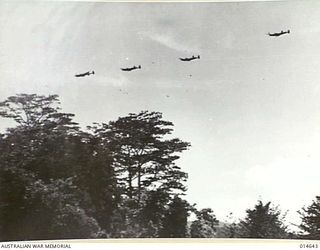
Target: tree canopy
[[310, 216], [263, 221], [205, 224], [143, 158], [70, 183]]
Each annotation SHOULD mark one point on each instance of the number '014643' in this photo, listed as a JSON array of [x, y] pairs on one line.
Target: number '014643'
[[308, 246]]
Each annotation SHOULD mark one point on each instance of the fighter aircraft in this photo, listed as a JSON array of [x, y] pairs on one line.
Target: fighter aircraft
[[190, 58], [132, 68], [85, 74], [279, 33]]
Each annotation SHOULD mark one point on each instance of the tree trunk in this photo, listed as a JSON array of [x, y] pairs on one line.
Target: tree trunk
[[130, 183], [139, 183]]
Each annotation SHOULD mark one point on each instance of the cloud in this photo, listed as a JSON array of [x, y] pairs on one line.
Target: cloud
[[171, 42]]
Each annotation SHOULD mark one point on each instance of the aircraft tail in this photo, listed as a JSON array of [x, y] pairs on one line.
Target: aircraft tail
[[198, 56], [92, 72], [288, 31], [139, 67]]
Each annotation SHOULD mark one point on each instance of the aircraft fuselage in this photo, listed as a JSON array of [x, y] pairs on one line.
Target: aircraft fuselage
[[85, 74], [189, 58], [279, 33], [130, 69]]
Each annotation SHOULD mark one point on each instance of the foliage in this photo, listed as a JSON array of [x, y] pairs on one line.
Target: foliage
[[205, 224], [60, 208], [36, 156], [264, 221], [143, 159], [229, 228], [117, 179], [310, 216], [175, 219], [113, 180]]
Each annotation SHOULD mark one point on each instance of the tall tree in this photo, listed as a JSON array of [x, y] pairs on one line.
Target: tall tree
[[143, 159], [44, 148], [115, 180], [42, 137], [31, 110], [310, 216], [264, 221], [95, 177]]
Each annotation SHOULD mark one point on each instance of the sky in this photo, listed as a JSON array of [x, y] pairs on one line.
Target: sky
[[250, 106]]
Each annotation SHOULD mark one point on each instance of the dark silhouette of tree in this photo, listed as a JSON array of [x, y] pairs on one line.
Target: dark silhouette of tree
[[310, 216], [143, 162], [205, 224], [36, 111], [57, 204], [175, 219], [153, 211], [96, 177], [42, 149], [143, 159], [43, 135], [114, 180], [264, 221]]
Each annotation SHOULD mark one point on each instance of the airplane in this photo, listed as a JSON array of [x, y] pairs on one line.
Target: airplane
[[132, 68], [190, 58], [85, 74], [279, 33]]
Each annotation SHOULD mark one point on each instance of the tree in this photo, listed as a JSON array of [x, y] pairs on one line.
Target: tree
[[311, 220], [229, 228], [45, 148], [96, 177], [152, 212], [37, 111], [114, 180], [144, 164], [205, 224], [175, 219], [58, 213], [42, 137], [264, 221], [143, 159], [13, 204]]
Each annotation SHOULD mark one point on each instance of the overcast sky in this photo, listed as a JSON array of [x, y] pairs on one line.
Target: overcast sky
[[250, 106]]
